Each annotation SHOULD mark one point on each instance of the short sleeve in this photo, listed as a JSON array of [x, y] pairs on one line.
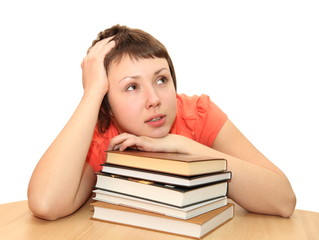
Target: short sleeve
[[99, 145], [198, 118], [210, 120], [95, 156]]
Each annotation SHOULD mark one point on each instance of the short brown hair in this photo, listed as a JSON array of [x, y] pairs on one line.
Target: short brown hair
[[135, 43]]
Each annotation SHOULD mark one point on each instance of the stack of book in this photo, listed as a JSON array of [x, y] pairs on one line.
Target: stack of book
[[171, 192]]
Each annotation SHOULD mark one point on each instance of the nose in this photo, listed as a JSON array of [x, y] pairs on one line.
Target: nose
[[152, 99]]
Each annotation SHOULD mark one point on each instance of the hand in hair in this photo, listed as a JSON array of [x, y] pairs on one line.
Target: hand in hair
[[94, 77]]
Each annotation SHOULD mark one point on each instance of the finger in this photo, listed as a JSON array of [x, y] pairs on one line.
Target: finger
[[137, 143], [102, 46], [99, 43], [98, 51], [119, 139], [116, 147], [131, 142], [98, 54]]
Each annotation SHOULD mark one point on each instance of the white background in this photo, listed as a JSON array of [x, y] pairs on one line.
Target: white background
[[258, 60]]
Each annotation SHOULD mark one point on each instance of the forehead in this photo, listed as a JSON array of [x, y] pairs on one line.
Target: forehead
[[133, 66]]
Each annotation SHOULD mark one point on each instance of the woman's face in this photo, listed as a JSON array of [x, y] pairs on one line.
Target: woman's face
[[142, 96]]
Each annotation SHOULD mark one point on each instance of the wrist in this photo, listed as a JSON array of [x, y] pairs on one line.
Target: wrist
[[190, 146], [185, 145], [95, 94]]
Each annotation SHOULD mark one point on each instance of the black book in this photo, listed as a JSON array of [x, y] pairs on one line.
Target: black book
[[166, 178], [165, 193]]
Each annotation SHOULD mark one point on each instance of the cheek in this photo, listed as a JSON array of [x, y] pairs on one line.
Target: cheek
[[124, 110], [170, 98]]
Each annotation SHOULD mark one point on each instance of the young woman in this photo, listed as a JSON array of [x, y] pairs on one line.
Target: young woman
[[130, 100]]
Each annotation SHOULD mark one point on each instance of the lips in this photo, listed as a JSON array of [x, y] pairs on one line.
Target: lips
[[156, 120]]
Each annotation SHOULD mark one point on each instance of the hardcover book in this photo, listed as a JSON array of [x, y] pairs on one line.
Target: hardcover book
[[161, 208], [196, 227], [167, 178], [174, 195], [173, 163]]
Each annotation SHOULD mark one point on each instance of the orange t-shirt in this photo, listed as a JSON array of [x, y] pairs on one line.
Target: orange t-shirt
[[197, 118]]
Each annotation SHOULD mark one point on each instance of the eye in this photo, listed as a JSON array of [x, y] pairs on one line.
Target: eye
[[131, 87], [161, 80]]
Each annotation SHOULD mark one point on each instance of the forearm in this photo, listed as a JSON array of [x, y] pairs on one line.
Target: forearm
[[56, 178], [257, 185], [259, 189], [62, 181], [254, 187]]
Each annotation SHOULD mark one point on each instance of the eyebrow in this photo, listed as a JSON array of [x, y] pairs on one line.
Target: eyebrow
[[137, 76]]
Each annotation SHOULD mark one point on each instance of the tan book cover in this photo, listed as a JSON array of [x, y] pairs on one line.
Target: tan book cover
[[196, 227], [174, 163]]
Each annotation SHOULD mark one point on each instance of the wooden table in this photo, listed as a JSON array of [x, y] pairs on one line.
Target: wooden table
[[17, 222]]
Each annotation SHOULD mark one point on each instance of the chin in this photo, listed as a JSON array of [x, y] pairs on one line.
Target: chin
[[158, 133]]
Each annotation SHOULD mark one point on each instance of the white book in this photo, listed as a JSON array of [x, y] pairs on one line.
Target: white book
[[168, 210], [187, 181], [169, 194]]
